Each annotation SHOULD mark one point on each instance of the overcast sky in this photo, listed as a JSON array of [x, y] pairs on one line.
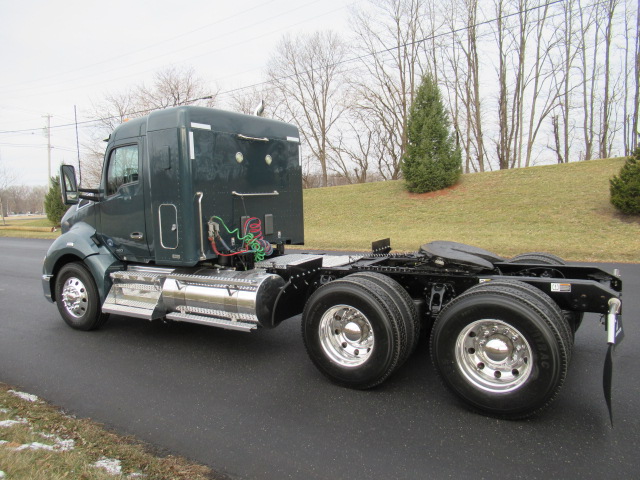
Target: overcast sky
[[55, 54]]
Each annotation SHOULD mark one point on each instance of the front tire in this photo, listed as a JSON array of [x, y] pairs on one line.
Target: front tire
[[77, 298], [500, 352]]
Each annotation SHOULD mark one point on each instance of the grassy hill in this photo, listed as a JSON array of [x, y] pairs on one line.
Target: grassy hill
[[562, 209]]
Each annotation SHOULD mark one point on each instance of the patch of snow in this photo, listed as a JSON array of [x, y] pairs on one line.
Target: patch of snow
[[4, 410], [11, 423], [24, 396], [2, 442], [65, 445], [58, 446], [112, 466], [2, 474], [34, 446]]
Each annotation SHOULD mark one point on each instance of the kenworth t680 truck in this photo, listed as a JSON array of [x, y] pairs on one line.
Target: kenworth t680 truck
[[190, 224]]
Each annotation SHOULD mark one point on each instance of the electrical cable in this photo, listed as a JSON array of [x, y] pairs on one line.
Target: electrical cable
[[251, 237]]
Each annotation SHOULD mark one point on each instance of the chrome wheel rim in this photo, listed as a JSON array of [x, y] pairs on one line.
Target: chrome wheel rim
[[346, 335], [74, 297], [493, 355]]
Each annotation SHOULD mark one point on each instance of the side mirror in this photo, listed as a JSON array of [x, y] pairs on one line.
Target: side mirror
[[68, 185]]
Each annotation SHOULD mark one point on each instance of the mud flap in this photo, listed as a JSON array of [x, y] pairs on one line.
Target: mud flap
[[615, 335]]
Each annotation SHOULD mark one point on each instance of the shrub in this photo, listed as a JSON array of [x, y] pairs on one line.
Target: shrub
[[432, 161], [53, 205], [625, 187]]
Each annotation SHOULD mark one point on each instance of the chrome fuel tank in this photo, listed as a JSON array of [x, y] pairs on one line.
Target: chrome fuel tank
[[242, 293]]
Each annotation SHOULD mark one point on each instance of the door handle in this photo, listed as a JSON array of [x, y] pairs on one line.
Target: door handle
[[136, 236]]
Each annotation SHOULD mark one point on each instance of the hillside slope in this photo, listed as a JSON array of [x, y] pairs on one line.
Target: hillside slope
[[563, 209]]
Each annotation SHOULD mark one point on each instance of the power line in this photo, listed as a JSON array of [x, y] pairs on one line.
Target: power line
[[342, 62], [184, 34], [149, 59]]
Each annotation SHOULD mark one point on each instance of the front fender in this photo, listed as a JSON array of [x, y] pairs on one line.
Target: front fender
[[78, 245]]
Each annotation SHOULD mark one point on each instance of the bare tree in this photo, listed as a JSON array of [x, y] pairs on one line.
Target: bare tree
[[356, 148], [245, 100], [461, 76], [503, 144], [24, 198], [588, 72], [544, 91], [7, 178], [562, 73], [610, 8], [631, 55], [309, 79], [636, 101], [115, 108], [389, 34], [173, 87], [170, 87]]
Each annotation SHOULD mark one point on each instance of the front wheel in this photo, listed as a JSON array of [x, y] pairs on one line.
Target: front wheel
[[500, 351], [77, 298]]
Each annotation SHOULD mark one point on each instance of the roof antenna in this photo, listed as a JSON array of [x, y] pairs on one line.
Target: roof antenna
[[259, 109]]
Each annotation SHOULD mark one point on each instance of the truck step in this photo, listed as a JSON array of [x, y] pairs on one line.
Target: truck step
[[128, 310], [143, 304], [211, 321]]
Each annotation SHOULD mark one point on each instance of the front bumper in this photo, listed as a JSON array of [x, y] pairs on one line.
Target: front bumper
[[46, 286]]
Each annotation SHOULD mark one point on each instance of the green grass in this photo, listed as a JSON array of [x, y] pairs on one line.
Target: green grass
[[75, 447], [27, 227], [562, 209]]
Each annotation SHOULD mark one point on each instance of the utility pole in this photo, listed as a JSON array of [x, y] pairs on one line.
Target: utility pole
[[48, 117], [75, 116]]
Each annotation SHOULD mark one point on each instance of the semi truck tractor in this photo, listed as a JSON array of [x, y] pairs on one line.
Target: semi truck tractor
[[192, 221]]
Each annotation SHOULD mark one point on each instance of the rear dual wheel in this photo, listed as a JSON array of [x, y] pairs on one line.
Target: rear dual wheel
[[404, 304], [543, 258], [502, 350], [355, 331]]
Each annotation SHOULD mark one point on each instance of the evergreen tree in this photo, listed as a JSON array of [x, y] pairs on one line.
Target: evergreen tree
[[53, 205], [432, 161], [625, 188]]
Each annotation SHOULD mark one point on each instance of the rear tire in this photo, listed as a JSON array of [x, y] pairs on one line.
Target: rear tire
[[538, 257], [541, 258], [545, 302], [403, 301], [77, 298], [351, 330], [500, 351]]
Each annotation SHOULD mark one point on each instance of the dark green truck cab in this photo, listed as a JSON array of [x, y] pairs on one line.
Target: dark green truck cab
[[163, 172]]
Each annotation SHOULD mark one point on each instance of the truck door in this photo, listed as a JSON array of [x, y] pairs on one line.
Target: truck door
[[122, 210]]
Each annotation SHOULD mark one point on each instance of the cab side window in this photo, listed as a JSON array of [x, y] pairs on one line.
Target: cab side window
[[123, 167]]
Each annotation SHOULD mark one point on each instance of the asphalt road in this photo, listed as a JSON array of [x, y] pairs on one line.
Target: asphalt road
[[252, 406]]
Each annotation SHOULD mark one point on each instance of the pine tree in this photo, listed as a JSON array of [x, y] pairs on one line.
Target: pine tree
[[625, 188], [432, 161], [53, 205]]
